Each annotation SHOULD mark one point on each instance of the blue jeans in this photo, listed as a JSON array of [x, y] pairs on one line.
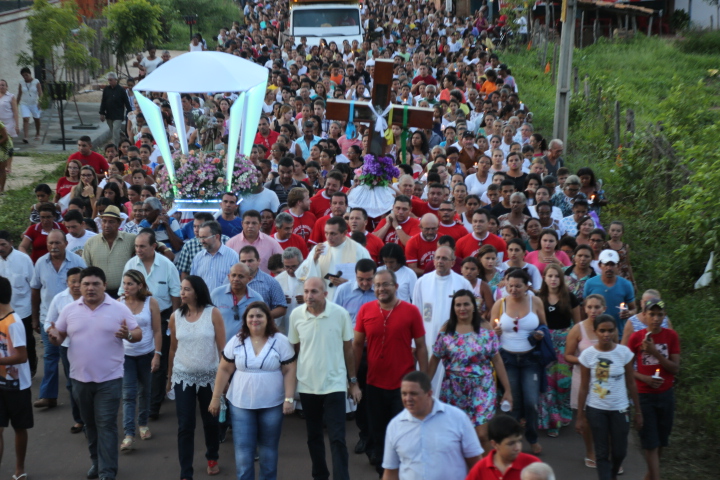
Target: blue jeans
[[610, 429], [68, 385], [136, 380], [185, 408], [51, 357], [256, 428], [99, 404], [524, 371], [330, 409]]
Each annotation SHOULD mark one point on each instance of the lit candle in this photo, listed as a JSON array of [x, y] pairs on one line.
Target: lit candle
[[475, 165], [657, 374], [496, 322], [622, 306]]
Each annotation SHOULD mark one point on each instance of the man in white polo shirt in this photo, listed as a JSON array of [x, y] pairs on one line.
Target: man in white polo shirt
[[322, 334]]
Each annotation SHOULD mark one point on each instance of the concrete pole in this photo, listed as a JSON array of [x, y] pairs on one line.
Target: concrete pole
[[564, 78]]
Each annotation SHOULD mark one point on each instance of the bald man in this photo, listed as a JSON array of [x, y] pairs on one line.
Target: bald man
[[233, 298], [432, 295], [420, 249], [322, 334], [405, 185], [537, 471]]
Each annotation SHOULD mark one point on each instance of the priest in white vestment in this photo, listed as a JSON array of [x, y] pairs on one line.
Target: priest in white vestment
[[291, 285], [433, 296], [333, 260]]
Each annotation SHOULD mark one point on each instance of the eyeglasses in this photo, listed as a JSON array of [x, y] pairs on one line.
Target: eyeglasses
[[290, 267], [384, 285]]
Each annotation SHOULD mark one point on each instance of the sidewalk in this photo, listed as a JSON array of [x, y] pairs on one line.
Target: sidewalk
[[50, 130]]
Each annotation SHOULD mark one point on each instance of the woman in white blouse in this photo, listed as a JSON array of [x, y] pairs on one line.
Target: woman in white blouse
[[261, 391]]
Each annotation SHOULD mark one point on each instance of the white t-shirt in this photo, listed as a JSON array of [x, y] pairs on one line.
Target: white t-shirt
[[260, 201], [258, 381], [607, 389], [21, 372], [76, 245], [475, 187], [151, 65]]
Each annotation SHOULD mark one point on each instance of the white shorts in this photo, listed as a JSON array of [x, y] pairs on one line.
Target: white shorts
[[28, 111]]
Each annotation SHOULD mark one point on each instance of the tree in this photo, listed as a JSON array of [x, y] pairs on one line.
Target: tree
[[59, 39], [132, 25]]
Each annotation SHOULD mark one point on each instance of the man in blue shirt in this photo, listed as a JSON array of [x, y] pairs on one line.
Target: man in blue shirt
[[351, 296], [231, 224], [618, 292], [265, 285], [233, 299], [167, 229]]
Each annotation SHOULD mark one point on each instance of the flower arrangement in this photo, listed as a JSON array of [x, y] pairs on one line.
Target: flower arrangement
[[201, 176], [377, 171]]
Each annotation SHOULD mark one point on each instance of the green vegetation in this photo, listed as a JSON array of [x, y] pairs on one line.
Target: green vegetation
[[132, 25], [662, 184], [701, 41], [211, 17], [15, 204]]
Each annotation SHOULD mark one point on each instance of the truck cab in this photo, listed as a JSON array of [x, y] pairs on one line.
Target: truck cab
[[332, 21]]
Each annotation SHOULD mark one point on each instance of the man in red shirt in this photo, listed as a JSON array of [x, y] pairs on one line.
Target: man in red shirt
[[448, 224], [436, 194], [265, 136], [299, 206], [424, 76], [405, 186], [506, 461], [420, 249], [388, 326], [357, 221], [87, 157], [469, 245], [338, 208], [398, 226], [283, 234], [320, 202]]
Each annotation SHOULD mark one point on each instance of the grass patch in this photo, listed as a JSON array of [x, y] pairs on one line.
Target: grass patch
[[706, 42], [15, 204], [637, 74]]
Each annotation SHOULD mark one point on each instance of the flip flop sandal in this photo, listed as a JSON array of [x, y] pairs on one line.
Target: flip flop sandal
[[20, 477], [590, 463], [127, 444], [212, 468]]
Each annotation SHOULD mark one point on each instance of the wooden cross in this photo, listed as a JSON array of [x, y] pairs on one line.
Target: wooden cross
[[381, 98]]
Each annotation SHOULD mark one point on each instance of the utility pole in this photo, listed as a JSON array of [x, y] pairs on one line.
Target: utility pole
[[562, 96]]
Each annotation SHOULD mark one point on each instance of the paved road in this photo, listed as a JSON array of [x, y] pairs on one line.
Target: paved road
[[56, 454]]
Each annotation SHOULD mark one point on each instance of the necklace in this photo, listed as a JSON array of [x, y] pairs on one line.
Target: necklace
[[385, 317]]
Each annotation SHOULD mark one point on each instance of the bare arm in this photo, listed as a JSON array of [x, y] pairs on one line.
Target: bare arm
[[633, 393], [391, 474], [25, 245], [20, 356], [358, 344], [289, 372], [539, 310], [157, 334], [433, 366], [225, 370], [582, 398], [278, 312], [502, 376], [471, 461], [421, 352], [487, 297], [175, 303], [355, 392], [414, 267], [627, 333], [219, 326], [171, 353], [571, 345]]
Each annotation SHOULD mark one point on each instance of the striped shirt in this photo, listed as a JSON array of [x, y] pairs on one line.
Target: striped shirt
[[214, 269], [184, 259], [269, 289], [98, 253]]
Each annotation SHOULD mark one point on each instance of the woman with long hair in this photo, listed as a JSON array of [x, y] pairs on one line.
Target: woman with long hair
[[562, 311], [141, 358], [548, 252], [470, 352], [487, 255], [581, 270], [261, 362], [69, 180], [607, 380], [197, 336], [516, 258], [87, 189], [481, 290], [517, 317], [584, 226]]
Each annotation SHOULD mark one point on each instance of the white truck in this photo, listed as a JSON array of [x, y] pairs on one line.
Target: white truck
[[330, 20]]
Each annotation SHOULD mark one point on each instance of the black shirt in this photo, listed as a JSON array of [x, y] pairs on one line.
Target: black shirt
[[114, 103], [556, 319]]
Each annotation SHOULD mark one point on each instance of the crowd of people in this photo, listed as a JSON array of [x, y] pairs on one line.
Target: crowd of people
[[494, 300]]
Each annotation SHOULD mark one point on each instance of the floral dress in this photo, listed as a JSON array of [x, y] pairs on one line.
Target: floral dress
[[577, 285], [469, 383]]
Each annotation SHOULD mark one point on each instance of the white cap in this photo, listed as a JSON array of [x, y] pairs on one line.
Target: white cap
[[370, 63], [607, 256]]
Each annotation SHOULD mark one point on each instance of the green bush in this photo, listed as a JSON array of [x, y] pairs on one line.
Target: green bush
[[211, 17], [700, 41]]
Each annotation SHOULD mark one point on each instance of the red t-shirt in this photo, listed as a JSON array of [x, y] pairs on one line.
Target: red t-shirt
[[456, 230], [38, 237], [303, 225], [428, 79], [411, 227], [469, 245], [267, 142], [95, 160], [64, 186], [318, 231], [668, 343], [485, 469], [320, 204], [420, 251], [373, 245], [421, 208], [389, 336], [294, 241]]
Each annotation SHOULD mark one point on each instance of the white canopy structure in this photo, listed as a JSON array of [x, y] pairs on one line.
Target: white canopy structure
[[212, 72]]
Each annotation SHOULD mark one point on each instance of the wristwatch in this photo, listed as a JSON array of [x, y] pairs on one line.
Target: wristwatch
[[290, 400], [398, 227], [129, 336], [353, 380]]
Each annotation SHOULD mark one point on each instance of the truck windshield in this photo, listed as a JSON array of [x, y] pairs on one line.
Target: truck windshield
[[345, 21]]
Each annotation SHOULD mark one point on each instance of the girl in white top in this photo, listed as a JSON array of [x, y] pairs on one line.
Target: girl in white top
[[515, 318], [197, 336], [607, 378], [261, 391], [477, 183], [141, 358]]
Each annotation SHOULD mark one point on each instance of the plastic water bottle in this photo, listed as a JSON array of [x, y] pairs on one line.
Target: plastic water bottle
[[505, 406], [223, 410]]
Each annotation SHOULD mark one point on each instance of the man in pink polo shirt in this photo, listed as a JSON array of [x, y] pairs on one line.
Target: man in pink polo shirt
[[266, 245], [97, 326]]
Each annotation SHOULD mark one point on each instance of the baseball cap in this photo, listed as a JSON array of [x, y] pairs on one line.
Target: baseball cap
[[654, 302], [468, 134], [111, 211], [607, 256]]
